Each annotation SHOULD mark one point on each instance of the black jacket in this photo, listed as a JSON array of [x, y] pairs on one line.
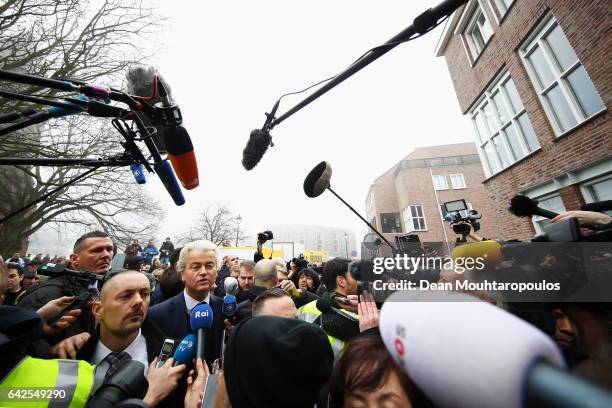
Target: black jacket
[[37, 296], [154, 339], [166, 249]]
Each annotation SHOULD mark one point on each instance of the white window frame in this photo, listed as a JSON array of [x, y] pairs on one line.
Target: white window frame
[[466, 23], [493, 163], [531, 43], [502, 7], [408, 219], [457, 175], [587, 192], [439, 177]]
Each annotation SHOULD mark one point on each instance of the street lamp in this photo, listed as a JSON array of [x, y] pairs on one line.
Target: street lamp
[[346, 244], [238, 219]]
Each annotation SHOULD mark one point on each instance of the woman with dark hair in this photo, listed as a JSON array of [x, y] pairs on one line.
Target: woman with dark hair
[[308, 279], [367, 376]]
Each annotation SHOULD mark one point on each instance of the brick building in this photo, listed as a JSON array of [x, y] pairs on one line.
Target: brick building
[[406, 199], [534, 78]]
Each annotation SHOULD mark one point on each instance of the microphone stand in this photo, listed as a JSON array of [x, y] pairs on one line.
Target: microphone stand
[[421, 25]]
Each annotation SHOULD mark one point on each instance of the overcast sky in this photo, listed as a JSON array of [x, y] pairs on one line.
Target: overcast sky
[[228, 62]]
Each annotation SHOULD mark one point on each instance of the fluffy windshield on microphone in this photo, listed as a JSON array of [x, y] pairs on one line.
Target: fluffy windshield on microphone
[[140, 82], [257, 145], [324, 305], [523, 206], [318, 180]]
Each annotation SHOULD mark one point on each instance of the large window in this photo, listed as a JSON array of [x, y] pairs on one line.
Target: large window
[[503, 6], [439, 182], [414, 217], [391, 223], [503, 130], [457, 180], [562, 83], [598, 190], [477, 31]]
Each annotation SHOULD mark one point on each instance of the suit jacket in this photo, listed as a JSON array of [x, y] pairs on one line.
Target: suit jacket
[[172, 317], [154, 339]]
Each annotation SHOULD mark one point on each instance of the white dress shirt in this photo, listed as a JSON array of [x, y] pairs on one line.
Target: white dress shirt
[[137, 350], [191, 302]]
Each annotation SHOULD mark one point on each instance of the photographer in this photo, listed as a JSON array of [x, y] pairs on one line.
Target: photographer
[[262, 238]]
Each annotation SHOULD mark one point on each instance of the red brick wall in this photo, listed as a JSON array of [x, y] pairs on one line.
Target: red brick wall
[[589, 31]]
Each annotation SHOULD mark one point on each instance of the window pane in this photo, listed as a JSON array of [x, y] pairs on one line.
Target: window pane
[[563, 113], [488, 149], [561, 48], [585, 92], [491, 118], [602, 190], [530, 136], [479, 41], [501, 151], [482, 128], [487, 32], [541, 67], [513, 141], [515, 99], [502, 112], [419, 210]]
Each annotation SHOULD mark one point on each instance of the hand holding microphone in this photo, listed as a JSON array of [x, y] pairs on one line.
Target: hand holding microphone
[[162, 380]]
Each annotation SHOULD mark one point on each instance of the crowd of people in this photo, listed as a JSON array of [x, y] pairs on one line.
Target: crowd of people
[[299, 335]]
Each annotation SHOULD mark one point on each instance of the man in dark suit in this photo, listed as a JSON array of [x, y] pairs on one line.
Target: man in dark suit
[[125, 332], [197, 265]]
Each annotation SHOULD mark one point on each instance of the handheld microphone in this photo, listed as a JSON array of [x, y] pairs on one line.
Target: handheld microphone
[[138, 172], [185, 350], [201, 319], [231, 285], [523, 206], [502, 360], [490, 252], [600, 206], [229, 305], [166, 175], [128, 382]]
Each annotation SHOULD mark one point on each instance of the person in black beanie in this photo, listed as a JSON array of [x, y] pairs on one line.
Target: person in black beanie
[[277, 346]]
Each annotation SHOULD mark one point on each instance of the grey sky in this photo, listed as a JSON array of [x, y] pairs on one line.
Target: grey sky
[[228, 62]]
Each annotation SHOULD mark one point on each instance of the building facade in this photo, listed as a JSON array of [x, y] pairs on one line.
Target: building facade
[[409, 197], [337, 242], [534, 79]]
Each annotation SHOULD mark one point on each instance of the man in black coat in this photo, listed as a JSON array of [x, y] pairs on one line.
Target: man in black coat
[[197, 265], [92, 252], [126, 333]]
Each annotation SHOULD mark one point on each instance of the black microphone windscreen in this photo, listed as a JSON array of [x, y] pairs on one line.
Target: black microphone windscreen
[[317, 181], [178, 141], [599, 206], [256, 147], [338, 327], [523, 206]]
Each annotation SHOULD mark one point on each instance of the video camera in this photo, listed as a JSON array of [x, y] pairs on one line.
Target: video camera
[[457, 213], [85, 285], [262, 237]]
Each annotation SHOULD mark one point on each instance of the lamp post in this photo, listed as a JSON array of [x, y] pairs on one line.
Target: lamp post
[[346, 244], [238, 219]]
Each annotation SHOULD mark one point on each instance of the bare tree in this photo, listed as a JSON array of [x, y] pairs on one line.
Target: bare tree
[[91, 42], [216, 224]]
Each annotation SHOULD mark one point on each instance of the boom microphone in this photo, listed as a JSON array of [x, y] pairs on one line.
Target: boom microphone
[[179, 146], [167, 177], [523, 206], [201, 320], [317, 181], [502, 361], [600, 206], [258, 143], [185, 350]]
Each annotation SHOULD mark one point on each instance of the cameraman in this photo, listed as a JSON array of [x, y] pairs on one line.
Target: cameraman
[[471, 234], [262, 238], [92, 252]]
